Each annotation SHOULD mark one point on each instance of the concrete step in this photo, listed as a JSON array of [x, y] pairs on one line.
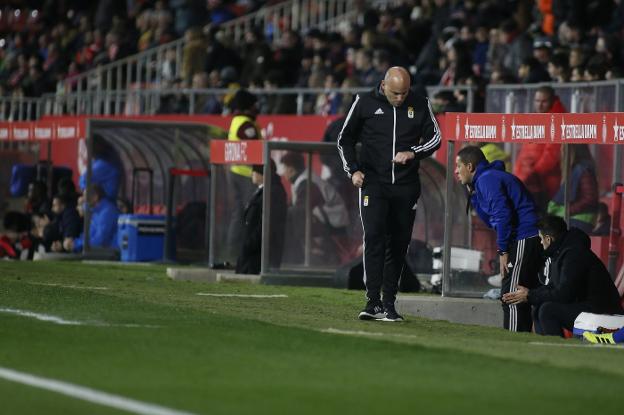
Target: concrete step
[[225, 276], [202, 274], [456, 310]]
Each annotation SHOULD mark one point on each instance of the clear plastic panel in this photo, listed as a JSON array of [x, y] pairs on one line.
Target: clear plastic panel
[[231, 194]]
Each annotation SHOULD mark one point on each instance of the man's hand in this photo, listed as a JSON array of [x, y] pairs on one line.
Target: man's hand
[[504, 260], [402, 157], [358, 179], [68, 244], [519, 296], [57, 246]]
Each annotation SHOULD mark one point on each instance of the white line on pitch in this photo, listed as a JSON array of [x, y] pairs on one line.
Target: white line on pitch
[[59, 320], [245, 295], [87, 394], [42, 317], [78, 287], [602, 346]]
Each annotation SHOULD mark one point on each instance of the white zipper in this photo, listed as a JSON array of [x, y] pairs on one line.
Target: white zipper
[[393, 140]]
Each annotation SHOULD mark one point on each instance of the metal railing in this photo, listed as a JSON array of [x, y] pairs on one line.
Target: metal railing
[[597, 96], [20, 108], [165, 61], [151, 101]]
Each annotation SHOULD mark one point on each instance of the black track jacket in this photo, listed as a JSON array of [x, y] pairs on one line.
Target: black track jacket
[[384, 131], [577, 275]]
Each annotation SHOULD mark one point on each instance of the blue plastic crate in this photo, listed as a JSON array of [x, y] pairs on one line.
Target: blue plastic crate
[[141, 237]]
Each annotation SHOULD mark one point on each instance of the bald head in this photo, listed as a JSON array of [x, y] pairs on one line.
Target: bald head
[[396, 85]]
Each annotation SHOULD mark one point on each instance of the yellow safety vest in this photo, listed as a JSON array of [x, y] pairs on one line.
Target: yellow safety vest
[[237, 121]]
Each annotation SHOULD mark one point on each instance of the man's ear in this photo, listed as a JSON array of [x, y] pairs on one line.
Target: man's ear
[[471, 167]]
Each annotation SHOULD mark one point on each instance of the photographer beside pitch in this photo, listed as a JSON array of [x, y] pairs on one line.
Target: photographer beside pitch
[[504, 204], [397, 128]]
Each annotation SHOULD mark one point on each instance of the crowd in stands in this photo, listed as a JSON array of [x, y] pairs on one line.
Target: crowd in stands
[[443, 42], [42, 43]]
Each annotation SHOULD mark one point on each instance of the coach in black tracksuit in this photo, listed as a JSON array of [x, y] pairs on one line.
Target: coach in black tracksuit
[[396, 129]]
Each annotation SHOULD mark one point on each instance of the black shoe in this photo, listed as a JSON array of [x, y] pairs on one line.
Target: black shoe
[[372, 311], [391, 313]]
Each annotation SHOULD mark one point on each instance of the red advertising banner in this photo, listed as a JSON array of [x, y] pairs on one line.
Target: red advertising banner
[[236, 152], [594, 128], [20, 131]]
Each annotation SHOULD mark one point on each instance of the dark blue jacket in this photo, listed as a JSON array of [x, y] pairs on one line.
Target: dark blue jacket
[[503, 203]]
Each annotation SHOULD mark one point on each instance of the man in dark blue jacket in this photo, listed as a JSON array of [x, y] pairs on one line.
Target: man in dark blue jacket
[[397, 129], [504, 204], [67, 223], [576, 281]]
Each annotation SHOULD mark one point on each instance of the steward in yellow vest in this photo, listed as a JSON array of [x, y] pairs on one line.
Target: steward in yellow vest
[[243, 127]]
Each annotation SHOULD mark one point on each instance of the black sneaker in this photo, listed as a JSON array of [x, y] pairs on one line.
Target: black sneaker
[[372, 311], [391, 313]]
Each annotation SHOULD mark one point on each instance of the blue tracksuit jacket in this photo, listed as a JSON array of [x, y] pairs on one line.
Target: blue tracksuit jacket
[[503, 203]]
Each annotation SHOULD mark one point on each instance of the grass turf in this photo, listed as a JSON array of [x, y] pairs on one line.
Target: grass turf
[[228, 355]]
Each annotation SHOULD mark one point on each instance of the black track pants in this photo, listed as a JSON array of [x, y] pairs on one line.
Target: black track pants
[[387, 212], [551, 318], [524, 265]]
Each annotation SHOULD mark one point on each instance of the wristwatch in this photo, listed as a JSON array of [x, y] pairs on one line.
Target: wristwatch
[[501, 253]]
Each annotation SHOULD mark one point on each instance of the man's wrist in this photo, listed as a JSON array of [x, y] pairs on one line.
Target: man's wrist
[[501, 252]]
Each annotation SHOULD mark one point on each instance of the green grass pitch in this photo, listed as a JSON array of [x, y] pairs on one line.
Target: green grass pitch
[[155, 340]]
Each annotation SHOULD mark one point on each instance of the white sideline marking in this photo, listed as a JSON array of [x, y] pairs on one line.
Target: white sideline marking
[[42, 317], [87, 394], [78, 287], [245, 295], [602, 346], [367, 333], [59, 320]]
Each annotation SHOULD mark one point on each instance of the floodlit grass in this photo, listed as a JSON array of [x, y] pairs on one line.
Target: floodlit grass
[[152, 339]]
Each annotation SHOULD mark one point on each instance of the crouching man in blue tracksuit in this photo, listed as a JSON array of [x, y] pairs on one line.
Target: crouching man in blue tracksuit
[[503, 203]]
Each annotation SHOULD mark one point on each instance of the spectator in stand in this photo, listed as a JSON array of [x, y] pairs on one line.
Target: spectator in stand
[[257, 56], [542, 51], [205, 103], [516, 45], [277, 103], [459, 64], [445, 101], [577, 57], [364, 69], [531, 72], [558, 68], [596, 68], [193, 55], [583, 197], [537, 165], [103, 226], [287, 56], [577, 74]]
